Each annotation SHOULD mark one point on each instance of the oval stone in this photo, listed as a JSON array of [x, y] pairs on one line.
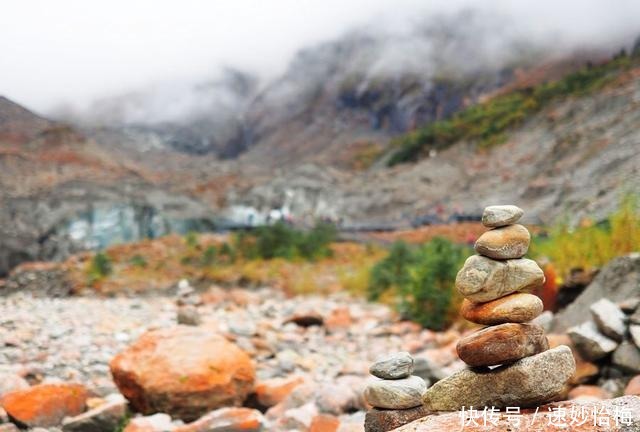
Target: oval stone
[[483, 279], [508, 242], [531, 381], [394, 366], [501, 215], [395, 394], [513, 308], [502, 344]]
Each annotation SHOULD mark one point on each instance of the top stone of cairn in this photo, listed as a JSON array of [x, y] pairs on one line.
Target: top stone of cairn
[[501, 215]]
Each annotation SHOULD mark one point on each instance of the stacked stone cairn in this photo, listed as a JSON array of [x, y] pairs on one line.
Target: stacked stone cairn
[[510, 363], [395, 394]]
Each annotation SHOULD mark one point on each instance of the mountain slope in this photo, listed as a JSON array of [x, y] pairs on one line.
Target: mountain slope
[[54, 181], [575, 158]]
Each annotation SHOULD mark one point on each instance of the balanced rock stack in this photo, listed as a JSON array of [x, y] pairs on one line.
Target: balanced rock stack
[[395, 394], [494, 284]]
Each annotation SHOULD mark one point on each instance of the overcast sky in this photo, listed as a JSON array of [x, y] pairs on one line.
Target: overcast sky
[[72, 51]]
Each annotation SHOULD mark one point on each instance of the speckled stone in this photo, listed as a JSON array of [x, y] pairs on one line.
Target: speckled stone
[[504, 343], [483, 279], [394, 366], [395, 394], [513, 308], [501, 215], [508, 242], [531, 381]]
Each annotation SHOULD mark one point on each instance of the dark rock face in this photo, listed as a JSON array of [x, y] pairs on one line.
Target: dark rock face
[[617, 281], [41, 280]]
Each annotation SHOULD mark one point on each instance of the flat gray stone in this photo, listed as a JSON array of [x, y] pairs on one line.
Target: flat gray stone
[[501, 215], [609, 318], [483, 279], [634, 333], [395, 366], [629, 305], [395, 394], [592, 344], [635, 317], [104, 418], [528, 382], [627, 357]]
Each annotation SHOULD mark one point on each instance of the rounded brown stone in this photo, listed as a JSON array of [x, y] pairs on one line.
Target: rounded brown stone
[[501, 344], [508, 242], [513, 308]]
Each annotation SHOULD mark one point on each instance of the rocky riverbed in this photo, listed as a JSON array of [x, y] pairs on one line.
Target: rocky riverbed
[[321, 347], [286, 363]]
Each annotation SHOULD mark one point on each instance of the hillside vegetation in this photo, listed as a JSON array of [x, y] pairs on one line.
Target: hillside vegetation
[[488, 123]]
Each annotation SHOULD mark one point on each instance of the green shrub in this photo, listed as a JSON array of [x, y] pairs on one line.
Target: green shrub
[[191, 239], [283, 241], [138, 261], [488, 123], [99, 267], [421, 279], [227, 253], [316, 243], [591, 245], [392, 271], [209, 256]]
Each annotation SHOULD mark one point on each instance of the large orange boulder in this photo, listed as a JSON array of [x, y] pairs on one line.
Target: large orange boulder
[[183, 371], [45, 405]]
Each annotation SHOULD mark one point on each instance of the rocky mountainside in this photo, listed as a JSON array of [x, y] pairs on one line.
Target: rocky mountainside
[[574, 158], [59, 189], [317, 138], [315, 141]]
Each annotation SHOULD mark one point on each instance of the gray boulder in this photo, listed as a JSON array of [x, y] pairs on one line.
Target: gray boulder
[[627, 357], [610, 319], [619, 280], [591, 344]]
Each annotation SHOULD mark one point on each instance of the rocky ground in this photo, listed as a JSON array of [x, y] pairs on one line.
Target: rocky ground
[[322, 345], [281, 363]]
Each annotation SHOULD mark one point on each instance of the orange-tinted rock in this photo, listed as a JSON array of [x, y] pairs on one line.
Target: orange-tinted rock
[[183, 371], [514, 308], [633, 388], [588, 392], [339, 318], [228, 420], [324, 423], [504, 343], [45, 405], [273, 391], [508, 242], [381, 420]]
